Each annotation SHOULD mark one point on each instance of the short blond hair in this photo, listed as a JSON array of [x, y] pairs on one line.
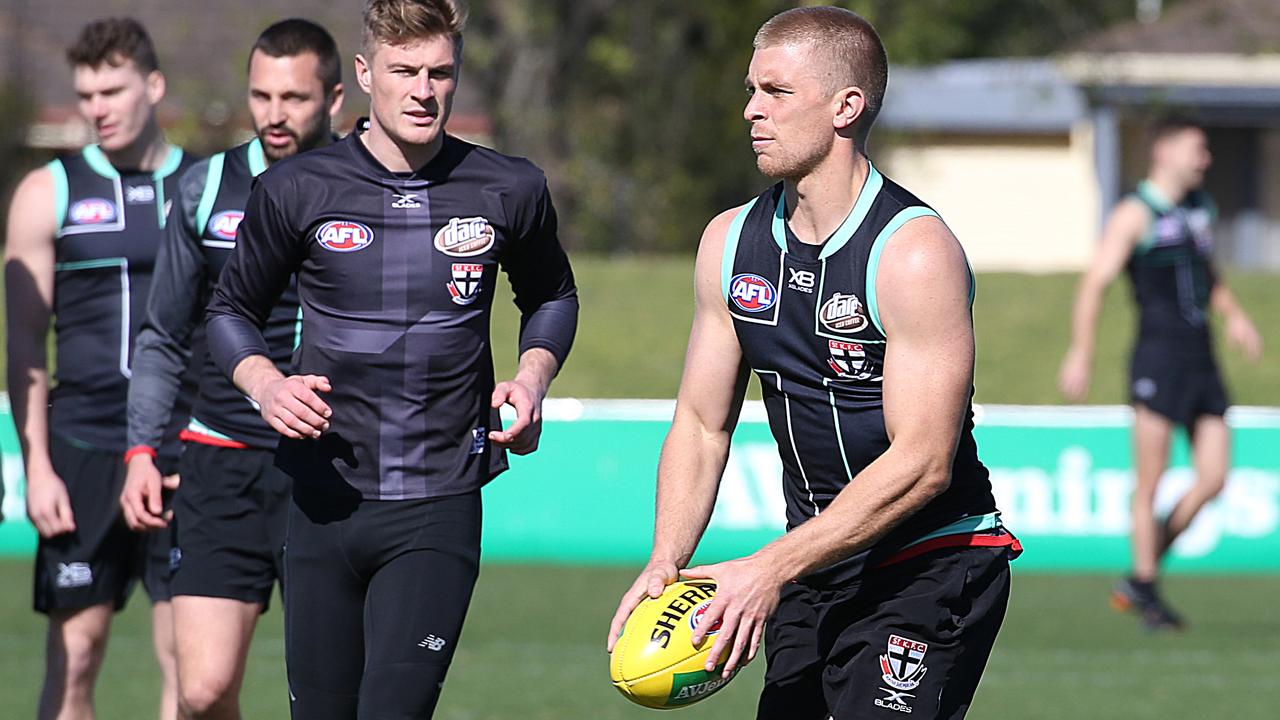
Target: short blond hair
[[844, 41], [395, 22]]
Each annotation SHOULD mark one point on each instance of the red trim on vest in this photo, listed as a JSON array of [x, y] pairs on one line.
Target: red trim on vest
[[195, 437], [978, 539]]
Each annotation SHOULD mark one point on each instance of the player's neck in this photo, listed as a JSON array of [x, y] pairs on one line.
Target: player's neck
[[396, 156], [820, 201], [1168, 185], [146, 154]]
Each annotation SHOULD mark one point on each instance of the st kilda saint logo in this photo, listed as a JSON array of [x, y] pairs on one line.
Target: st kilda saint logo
[[464, 288], [849, 360]]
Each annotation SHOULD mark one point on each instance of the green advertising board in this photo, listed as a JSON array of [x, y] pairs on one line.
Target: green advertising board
[[1062, 478]]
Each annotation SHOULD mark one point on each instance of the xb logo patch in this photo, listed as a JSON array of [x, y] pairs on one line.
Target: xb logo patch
[[801, 280]]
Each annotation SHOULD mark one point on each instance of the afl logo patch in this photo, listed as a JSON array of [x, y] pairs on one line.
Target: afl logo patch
[[752, 292], [695, 618], [225, 224], [843, 314], [344, 236], [465, 237], [93, 211]]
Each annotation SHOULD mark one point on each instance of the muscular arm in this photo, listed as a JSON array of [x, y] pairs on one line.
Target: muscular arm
[[29, 279], [1124, 227], [697, 445]]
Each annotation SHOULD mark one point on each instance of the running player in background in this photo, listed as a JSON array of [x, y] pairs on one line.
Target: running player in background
[[82, 240], [397, 235], [1162, 234], [229, 511], [850, 300]]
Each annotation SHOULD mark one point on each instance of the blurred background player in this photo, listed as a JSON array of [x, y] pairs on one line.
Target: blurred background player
[[82, 240], [1162, 235], [850, 300], [397, 235], [229, 511]]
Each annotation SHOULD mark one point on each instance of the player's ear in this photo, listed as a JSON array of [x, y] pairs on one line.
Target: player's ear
[[335, 100], [155, 86], [850, 103], [364, 69]]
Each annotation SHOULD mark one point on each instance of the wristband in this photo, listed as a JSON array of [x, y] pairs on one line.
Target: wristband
[[139, 450]]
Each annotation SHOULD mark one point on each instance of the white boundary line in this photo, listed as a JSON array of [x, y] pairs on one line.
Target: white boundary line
[[1067, 416], [1048, 416]]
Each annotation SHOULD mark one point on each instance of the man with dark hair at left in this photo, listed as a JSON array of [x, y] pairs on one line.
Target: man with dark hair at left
[[81, 244], [229, 512]]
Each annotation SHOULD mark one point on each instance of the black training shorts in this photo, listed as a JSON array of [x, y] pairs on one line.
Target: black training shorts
[[101, 560], [907, 640], [229, 517], [1175, 388]]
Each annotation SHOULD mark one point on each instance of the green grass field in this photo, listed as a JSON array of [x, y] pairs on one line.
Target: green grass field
[[533, 650]]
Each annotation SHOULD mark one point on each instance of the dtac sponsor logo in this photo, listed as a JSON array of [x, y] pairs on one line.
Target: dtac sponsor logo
[[344, 236], [465, 237], [93, 211], [225, 224], [752, 292], [843, 314]]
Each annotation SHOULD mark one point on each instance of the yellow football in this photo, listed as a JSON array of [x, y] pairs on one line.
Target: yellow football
[[654, 662]]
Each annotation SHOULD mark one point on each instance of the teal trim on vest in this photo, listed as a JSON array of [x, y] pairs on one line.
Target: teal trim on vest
[[99, 163], [212, 183], [975, 523], [873, 261], [1153, 197], [297, 330], [257, 158], [196, 426], [838, 239], [61, 190], [90, 264], [731, 239], [169, 167]]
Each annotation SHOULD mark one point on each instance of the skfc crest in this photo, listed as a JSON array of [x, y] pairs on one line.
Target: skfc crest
[[464, 288], [903, 665], [752, 293], [849, 360]]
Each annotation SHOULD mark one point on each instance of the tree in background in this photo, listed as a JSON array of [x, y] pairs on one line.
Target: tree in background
[[635, 109]]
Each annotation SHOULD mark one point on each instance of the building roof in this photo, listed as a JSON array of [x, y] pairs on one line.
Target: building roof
[[1006, 95], [1197, 26]]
